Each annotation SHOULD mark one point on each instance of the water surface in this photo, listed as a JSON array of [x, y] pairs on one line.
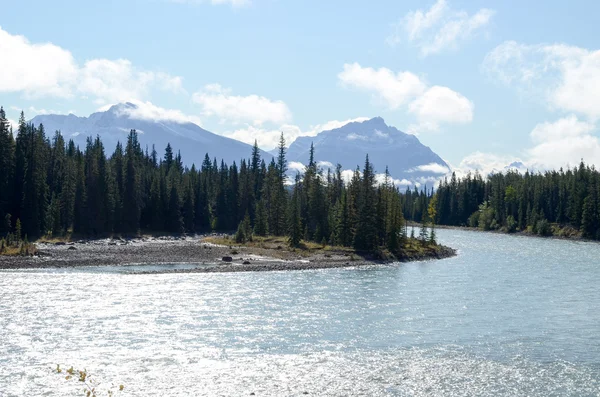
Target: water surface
[[508, 316]]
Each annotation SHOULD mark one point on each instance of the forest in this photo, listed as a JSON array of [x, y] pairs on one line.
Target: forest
[[50, 187], [563, 203]]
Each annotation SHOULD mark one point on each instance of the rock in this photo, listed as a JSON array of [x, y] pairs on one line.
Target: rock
[[112, 243], [60, 243], [72, 248], [227, 259], [246, 262]]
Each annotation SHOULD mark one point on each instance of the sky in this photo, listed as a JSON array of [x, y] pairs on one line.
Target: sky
[[483, 83]]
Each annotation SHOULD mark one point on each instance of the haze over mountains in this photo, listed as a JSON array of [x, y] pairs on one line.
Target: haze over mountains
[[114, 124], [408, 160], [403, 154]]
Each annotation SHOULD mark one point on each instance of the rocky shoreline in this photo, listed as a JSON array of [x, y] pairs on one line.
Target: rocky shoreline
[[210, 258]]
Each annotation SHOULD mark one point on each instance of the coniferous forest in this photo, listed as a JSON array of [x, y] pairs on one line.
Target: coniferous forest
[[50, 187], [563, 203]]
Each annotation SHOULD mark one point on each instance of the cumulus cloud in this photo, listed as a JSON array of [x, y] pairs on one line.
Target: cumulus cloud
[[218, 101], [325, 164], [567, 78], [431, 167], [268, 138], [42, 70], [295, 166], [13, 124], [439, 28], [564, 128], [441, 105], [431, 106], [484, 163], [393, 89], [149, 111], [563, 143]]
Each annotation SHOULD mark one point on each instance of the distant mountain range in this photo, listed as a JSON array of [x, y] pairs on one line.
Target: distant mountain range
[[114, 124], [403, 154]]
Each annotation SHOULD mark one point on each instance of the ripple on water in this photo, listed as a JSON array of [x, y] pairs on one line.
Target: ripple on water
[[512, 321]]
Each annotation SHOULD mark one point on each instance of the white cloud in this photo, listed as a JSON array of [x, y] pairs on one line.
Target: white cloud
[[347, 175], [442, 105], [393, 89], [432, 106], [35, 69], [484, 163], [380, 179], [431, 167], [14, 124], [439, 28], [149, 111], [297, 167], [563, 143], [325, 164], [565, 128], [382, 134], [566, 77], [268, 138], [356, 137], [217, 101], [41, 70]]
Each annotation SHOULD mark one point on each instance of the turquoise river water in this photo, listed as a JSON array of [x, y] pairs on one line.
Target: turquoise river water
[[512, 316]]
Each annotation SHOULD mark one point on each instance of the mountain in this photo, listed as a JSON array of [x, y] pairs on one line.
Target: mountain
[[114, 124], [404, 155]]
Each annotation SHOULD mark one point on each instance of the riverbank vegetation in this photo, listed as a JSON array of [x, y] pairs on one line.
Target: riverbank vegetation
[[53, 188], [554, 203]]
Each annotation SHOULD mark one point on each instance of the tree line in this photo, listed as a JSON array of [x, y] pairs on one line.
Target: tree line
[[51, 187], [553, 202]]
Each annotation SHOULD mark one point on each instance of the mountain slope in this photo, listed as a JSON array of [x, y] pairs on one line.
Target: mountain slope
[[114, 124], [404, 155]]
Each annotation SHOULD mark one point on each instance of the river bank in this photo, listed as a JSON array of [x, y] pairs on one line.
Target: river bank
[[566, 233], [209, 256]]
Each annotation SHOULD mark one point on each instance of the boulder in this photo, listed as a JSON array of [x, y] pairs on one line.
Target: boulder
[[227, 259]]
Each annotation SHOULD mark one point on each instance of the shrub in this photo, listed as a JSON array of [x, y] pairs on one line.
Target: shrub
[[486, 216], [474, 219], [542, 228]]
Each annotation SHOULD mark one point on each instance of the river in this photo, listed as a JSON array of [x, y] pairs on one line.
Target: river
[[508, 316]]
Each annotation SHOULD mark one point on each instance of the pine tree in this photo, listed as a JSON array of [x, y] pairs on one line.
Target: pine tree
[[295, 227], [174, 220], [261, 227], [366, 230], [131, 195]]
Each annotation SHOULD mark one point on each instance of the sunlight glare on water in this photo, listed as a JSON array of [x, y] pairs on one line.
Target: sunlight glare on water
[[508, 316]]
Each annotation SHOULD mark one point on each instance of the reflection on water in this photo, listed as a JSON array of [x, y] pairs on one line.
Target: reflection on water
[[508, 316]]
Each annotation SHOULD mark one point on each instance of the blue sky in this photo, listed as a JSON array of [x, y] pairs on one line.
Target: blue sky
[[483, 83]]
